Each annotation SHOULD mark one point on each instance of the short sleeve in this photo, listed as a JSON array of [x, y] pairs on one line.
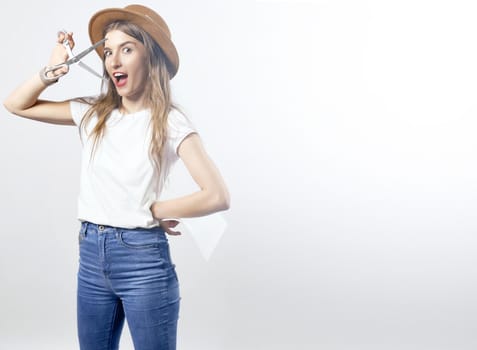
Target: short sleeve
[[179, 128], [78, 109]]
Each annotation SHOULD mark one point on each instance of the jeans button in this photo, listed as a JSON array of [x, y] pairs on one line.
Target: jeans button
[[101, 227]]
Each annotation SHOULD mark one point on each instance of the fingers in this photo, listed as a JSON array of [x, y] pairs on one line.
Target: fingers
[[171, 223], [168, 225], [61, 52], [65, 36], [61, 37], [173, 233], [60, 71]]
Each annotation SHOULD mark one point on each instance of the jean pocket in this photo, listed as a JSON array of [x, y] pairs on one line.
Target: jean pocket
[[81, 236], [82, 231], [139, 239]]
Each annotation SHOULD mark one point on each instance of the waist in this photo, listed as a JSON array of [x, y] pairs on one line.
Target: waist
[[104, 229]]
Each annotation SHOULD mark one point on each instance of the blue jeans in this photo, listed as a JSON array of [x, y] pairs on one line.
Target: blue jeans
[[126, 273]]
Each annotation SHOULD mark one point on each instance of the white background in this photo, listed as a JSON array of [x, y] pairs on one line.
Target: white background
[[345, 131]]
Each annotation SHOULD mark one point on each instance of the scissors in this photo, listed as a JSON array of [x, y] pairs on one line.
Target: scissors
[[73, 59]]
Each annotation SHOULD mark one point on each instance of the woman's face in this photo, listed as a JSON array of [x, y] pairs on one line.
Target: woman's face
[[125, 59]]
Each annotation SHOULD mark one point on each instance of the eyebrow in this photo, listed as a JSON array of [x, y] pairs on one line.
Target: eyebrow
[[121, 45]]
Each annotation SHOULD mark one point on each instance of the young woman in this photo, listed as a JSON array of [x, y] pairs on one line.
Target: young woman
[[131, 135]]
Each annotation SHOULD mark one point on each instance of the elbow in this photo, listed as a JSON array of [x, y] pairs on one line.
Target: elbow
[[7, 106], [218, 200], [223, 200]]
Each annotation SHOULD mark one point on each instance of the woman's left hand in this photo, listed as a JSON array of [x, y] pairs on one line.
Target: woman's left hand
[[168, 225]]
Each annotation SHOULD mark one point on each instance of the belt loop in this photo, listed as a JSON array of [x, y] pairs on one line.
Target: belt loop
[[84, 227]]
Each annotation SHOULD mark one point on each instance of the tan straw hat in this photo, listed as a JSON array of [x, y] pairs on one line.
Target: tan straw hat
[[143, 17]]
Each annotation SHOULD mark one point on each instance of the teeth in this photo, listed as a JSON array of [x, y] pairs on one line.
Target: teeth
[[119, 76]]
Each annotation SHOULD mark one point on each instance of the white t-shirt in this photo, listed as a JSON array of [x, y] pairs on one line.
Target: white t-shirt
[[119, 185]]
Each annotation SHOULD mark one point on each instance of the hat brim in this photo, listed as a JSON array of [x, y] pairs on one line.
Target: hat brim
[[104, 17]]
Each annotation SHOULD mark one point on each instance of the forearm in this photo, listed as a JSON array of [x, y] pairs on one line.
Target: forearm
[[25, 96], [196, 204], [213, 195], [22, 100]]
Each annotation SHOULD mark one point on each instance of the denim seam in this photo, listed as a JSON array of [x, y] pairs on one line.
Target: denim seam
[[110, 341], [167, 315], [137, 247]]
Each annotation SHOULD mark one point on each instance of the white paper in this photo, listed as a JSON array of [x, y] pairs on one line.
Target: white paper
[[206, 231]]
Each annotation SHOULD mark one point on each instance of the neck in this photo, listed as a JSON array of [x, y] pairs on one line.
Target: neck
[[131, 106]]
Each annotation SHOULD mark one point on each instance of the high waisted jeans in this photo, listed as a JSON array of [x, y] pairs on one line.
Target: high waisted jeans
[[126, 273]]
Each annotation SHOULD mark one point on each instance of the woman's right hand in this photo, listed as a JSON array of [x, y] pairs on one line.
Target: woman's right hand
[[24, 100], [60, 54]]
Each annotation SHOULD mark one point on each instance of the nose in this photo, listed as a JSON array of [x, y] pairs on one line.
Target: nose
[[114, 60]]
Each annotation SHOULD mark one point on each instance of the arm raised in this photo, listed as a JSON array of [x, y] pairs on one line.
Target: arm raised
[[24, 102]]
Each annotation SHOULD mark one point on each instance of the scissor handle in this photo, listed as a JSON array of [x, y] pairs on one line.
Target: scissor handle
[[52, 69]]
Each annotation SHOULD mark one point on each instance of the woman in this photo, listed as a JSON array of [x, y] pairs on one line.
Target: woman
[[131, 135]]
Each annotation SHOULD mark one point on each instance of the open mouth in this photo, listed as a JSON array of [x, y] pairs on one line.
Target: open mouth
[[120, 78]]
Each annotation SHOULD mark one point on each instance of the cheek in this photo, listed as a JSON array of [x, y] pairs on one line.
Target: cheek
[[107, 68], [146, 73], [143, 73]]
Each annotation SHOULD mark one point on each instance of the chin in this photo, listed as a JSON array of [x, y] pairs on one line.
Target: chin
[[123, 93]]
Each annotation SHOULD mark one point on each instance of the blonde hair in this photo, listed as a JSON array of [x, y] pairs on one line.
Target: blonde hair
[[157, 94]]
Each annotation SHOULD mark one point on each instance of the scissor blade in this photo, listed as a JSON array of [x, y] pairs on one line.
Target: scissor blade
[[89, 69], [85, 52]]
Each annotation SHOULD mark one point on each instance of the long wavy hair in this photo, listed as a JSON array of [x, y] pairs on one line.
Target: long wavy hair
[[157, 94]]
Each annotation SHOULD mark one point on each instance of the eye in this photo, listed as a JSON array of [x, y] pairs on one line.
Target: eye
[[107, 53], [127, 49]]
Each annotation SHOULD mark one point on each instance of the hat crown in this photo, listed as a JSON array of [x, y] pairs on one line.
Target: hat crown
[[150, 16], [145, 18]]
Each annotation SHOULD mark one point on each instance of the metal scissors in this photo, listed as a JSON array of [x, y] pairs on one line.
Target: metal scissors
[[73, 59]]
